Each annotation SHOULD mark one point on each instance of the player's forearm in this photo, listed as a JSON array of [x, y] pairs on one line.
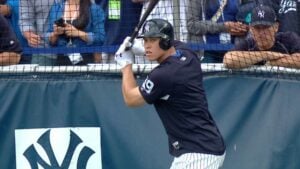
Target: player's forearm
[[9, 58], [128, 85], [243, 59]]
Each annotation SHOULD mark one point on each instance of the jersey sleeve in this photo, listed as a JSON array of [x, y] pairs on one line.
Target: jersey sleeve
[[156, 86]]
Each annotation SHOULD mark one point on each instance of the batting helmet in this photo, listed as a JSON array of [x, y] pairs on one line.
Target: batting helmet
[[159, 28]]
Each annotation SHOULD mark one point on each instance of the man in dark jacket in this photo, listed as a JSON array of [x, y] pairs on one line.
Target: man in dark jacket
[[10, 48]]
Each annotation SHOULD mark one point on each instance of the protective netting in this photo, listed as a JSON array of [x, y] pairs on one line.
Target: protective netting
[[77, 36]]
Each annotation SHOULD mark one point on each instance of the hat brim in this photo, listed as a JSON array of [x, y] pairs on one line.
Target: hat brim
[[263, 23]]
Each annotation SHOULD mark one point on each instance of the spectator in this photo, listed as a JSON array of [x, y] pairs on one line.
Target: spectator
[[10, 48], [76, 23], [10, 9], [121, 18], [265, 45], [286, 11], [33, 24], [213, 22]]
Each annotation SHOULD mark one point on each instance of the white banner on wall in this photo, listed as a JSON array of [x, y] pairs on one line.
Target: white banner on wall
[[71, 148]]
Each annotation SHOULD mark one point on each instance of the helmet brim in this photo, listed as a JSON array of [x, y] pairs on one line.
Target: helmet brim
[[151, 35]]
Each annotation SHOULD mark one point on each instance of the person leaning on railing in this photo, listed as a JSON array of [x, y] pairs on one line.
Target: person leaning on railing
[[266, 45], [10, 47]]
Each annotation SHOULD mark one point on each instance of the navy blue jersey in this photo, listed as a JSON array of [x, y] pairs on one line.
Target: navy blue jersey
[[176, 90], [285, 42], [9, 41]]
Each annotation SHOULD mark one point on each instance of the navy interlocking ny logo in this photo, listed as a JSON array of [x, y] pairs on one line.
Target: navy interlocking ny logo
[[34, 158]]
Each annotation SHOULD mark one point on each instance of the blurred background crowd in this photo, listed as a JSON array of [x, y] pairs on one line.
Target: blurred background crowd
[[80, 32]]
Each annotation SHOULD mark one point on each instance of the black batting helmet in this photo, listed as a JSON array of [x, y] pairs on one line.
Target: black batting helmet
[[159, 28]]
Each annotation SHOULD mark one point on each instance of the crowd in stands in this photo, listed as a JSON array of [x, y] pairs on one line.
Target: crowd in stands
[[75, 24], [257, 31], [265, 45]]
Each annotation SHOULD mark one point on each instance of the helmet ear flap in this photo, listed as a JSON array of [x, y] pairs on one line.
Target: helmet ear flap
[[165, 43]]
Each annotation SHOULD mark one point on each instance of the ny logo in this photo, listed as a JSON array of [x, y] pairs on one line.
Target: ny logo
[[34, 158], [261, 14]]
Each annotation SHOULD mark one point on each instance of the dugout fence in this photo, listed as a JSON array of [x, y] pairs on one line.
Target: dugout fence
[[257, 113]]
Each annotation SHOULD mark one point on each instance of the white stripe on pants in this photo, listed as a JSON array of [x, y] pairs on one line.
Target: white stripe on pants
[[198, 161]]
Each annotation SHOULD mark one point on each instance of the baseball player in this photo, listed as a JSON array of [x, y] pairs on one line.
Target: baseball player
[[176, 90]]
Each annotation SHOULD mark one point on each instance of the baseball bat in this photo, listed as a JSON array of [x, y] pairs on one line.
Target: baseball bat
[[150, 7]]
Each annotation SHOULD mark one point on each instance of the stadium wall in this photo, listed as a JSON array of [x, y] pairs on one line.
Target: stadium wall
[[80, 121]]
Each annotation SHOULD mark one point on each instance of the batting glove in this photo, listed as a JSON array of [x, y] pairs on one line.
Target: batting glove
[[124, 57], [138, 47]]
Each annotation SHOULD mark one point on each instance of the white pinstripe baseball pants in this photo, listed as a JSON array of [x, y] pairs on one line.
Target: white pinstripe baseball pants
[[198, 161]]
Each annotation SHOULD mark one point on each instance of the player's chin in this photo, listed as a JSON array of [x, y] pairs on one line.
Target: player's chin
[[148, 56]]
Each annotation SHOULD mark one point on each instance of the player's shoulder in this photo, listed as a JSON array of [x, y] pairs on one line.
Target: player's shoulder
[[182, 46], [162, 70], [160, 78], [185, 50]]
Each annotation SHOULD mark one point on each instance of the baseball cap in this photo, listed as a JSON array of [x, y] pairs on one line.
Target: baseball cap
[[263, 15]]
